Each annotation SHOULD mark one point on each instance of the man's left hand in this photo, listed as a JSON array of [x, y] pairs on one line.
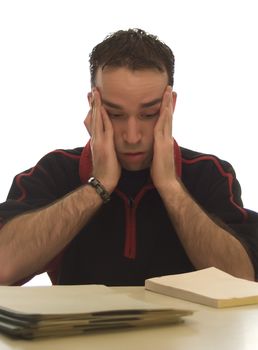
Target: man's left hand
[[163, 165]]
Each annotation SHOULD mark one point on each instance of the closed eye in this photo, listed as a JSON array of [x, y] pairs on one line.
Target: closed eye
[[151, 115], [115, 115]]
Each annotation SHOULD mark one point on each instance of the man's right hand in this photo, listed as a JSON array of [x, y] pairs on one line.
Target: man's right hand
[[105, 165], [44, 237]]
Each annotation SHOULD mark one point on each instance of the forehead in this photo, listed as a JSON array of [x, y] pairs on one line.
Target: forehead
[[122, 85]]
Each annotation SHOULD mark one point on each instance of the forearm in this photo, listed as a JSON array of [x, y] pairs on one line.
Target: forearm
[[28, 242], [205, 242]]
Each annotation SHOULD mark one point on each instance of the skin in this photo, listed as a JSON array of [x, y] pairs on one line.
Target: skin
[[127, 136], [130, 124], [132, 137]]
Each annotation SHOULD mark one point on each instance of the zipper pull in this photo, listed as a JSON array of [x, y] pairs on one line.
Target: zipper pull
[[131, 202]]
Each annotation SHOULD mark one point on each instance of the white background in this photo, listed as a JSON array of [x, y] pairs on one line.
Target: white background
[[44, 76]]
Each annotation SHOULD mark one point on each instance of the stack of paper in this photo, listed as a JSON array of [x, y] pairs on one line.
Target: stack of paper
[[31, 312], [210, 286]]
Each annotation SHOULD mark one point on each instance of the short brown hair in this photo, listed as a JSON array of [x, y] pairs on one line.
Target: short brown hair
[[135, 49]]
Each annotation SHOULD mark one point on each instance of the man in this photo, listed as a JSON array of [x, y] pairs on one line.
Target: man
[[132, 204]]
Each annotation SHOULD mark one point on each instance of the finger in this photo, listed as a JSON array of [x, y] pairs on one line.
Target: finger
[[108, 128], [166, 98], [173, 98], [169, 117], [97, 123], [168, 112], [163, 126], [93, 119]]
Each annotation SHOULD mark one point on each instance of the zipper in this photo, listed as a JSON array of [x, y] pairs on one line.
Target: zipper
[[130, 220], [130, 232]]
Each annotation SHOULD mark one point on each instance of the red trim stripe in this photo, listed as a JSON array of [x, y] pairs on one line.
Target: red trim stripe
[[130, 232], [85, 168], [86, 162], [130, 222], [66, 153], [24, 174], [178, 159], [228, 175], [19, 185]]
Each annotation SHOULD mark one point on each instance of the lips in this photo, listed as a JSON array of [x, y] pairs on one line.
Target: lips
[[134, 160], [133, 154]]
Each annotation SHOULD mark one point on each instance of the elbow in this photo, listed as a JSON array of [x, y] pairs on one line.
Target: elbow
[[11, 275], [6, 279], [8, 274]]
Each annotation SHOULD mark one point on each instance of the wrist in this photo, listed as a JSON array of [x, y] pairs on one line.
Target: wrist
[[169, 187], [108, 184], [100, 189]]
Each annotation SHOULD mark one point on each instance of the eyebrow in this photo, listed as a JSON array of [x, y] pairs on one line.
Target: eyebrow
[[142, 105]]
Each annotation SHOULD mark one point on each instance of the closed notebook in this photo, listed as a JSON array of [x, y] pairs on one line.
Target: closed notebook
[[210, 286]]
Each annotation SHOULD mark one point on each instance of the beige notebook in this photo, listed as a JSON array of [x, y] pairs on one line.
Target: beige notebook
[[210, 286]]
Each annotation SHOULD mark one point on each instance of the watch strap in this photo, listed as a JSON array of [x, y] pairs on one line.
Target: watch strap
[[99, 188]]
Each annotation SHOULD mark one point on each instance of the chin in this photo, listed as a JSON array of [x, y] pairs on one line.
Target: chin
[[135, 167]]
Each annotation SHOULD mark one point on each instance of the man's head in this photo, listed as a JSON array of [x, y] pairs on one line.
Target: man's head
[[134, 49], [131, 71]]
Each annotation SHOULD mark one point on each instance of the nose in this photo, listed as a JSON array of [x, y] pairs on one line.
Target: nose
[[132, 132]]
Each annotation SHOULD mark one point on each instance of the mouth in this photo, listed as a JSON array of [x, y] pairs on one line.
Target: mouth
[[133, 153], [134, 156]]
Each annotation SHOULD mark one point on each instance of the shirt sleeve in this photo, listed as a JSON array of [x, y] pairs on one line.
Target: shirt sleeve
[[36, 188], [224, 202]]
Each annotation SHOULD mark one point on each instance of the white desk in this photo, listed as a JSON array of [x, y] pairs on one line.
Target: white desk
[[206, 329]]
